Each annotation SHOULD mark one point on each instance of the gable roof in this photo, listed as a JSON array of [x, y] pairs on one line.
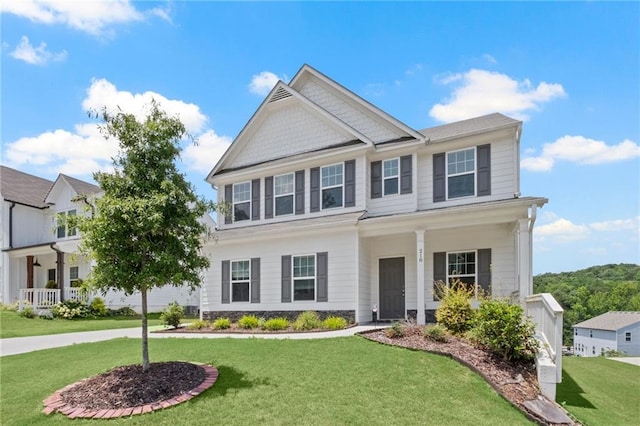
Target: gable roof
[[469, 127], [23, 188], [78, 186], [613, 320]]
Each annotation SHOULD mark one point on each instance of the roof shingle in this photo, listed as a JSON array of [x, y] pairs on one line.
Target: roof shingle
[[23, 188], [613, 320]]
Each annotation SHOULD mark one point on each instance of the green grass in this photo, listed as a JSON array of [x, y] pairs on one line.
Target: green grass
[[600, 391], [13, 325], [262, 381]]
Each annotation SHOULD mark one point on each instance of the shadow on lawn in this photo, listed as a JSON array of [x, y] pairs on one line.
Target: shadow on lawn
[[570, 393], [230, 379]]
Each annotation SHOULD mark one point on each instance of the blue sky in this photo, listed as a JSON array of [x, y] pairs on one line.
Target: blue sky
[[570, 71]]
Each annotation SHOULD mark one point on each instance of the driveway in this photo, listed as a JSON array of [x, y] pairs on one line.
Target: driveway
[[634, 360]]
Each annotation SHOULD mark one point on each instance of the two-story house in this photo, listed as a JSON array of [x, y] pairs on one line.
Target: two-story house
[[39, 248], [336, 206]]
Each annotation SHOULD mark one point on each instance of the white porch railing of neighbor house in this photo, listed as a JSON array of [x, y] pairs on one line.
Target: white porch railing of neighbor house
[[38, 298], [546, 313], [77, 293]]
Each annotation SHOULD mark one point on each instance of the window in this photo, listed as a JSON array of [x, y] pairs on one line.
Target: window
[[461, 173], [71, 231], [332, 186], [575, 332], [627, 336], [240, 279], [283, 191], [73, 276], [63, 229], [593, 350], [304, 277], [390, 170], [590, 333], [51, 274], [241, 201], [462, 266]]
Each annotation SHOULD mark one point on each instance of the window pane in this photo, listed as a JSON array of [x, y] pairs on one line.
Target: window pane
[[241, 211], [240, 292], [390, 186], [461, 161], [304, 289], [284, 205], [73, 273], [332, 197], [51, 274], [61, 230], [390, 168], [72, 231], [332, 175], [242, 192], [461, 186], [240, 270], [304, 266], [283, 184]]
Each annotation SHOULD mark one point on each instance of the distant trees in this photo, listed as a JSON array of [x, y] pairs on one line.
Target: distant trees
[[590, 292]]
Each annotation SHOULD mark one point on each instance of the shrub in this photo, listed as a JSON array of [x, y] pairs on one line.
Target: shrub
[[98, 308], [172, 314], [198, 324], [221, 324], [70, 309], [307, 320], [500, 327], [248, 322], [12, 306], [334, 323], [396, 330], [27, 312], [276, 324], [455, 311], [436, 332], [51, 284], [125, 311]]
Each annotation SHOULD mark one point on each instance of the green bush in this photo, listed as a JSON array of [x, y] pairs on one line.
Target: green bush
[[172, 314], [70, 309], [98, 308], [455, 311], [221, 324], [248, 322], [11, 306], [396, 330], [307, 320], [27, 312], [437, 333], [276, 324], [125, 311], [51, 284], [334, 323], [500, 327], [198, 324]]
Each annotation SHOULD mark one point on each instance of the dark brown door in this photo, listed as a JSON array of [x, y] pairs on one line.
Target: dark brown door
[[391, 288]]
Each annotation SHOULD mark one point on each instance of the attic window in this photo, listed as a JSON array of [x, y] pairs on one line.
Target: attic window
[[281, 93]]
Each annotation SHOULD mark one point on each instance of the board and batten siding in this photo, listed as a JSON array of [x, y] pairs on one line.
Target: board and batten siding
[[30, 226], [339, 245]]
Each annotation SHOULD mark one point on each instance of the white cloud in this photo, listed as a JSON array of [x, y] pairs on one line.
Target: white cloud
[[261, 84], [489, 58], [480, 92], [93, 17], [203, 156], [561, 230], [632, 224], [104, 94], [24, 51], [581, 150]]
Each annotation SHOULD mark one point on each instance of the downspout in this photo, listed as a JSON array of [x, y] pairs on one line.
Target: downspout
[[13, 204], [60, 269]]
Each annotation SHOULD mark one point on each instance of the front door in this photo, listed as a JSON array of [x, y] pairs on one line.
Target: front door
[[391, 272]]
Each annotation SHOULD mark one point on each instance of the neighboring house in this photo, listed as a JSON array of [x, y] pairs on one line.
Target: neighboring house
[[338, 207], [613, 331], [36, 249]]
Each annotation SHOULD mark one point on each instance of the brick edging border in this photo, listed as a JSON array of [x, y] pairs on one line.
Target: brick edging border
[[55, 403]]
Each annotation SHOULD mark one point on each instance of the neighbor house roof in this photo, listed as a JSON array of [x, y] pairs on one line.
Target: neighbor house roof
[[468, 127], [614, 320], [23, 188]]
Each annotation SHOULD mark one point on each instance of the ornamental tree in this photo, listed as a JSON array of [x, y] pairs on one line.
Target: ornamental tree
[[145, 230]]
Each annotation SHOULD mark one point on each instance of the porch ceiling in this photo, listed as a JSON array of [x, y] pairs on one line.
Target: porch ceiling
[[32, 250]]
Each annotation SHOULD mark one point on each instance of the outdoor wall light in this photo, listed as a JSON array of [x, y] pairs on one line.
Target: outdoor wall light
[[37, 263]]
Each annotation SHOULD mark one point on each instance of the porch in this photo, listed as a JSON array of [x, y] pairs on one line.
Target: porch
[[43, 299]]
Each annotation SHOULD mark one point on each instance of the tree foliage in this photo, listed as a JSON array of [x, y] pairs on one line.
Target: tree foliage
[[591, 292]]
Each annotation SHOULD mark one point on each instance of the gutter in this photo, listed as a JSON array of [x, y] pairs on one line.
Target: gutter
[[13, 204]]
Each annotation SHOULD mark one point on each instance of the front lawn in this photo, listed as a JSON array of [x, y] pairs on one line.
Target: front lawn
[[13, 325], [600, 391], [262, 381]]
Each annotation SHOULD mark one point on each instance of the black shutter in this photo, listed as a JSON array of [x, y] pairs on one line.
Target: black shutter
[[439, 176], [299, 197], [226, 281], [228, 198], [350, 183], [484, 270], [255, 280], [268, 197], [286, 279], [255, 199], [406, 171], [315, 189], [484, 170], [376, 179], [322, 273], [439, 272]]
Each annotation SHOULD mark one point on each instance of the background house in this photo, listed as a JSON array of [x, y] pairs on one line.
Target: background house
[[612, 331]]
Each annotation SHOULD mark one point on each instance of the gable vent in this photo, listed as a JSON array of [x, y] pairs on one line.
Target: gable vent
[[281, 93]]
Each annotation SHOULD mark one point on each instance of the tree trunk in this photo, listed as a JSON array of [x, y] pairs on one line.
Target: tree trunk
[[145, 339]]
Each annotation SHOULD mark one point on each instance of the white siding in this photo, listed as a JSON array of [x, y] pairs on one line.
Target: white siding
[[632, 347], [586, 345], [30, 226]]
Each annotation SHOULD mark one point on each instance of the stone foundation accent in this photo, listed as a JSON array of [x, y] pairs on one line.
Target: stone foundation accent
[[430, 315], [234, 316]]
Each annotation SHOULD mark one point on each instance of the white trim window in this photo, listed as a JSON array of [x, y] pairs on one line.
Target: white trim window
[[304, 277], [73, 276], [241, 201], [332, 185], [627, 336], [240, 280], [63, 230], [461, 173], [283, 193], [462, 266], [390, 176]]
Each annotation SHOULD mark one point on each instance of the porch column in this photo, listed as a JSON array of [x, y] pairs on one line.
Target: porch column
[[525, 284], [60, 273], [420, 317], [29, 271]]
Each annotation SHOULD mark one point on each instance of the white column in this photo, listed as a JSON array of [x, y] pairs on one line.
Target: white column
[[525, 284], [420, 276]]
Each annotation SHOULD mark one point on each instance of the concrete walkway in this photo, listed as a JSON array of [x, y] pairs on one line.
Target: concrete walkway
[[20, 345], [633, 360]]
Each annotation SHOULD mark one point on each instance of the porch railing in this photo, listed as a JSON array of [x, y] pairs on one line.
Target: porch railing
[[38, 298], [80, 294], [547, 314]]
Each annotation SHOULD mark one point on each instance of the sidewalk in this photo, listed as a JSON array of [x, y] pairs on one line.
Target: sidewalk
[[20, 345]]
